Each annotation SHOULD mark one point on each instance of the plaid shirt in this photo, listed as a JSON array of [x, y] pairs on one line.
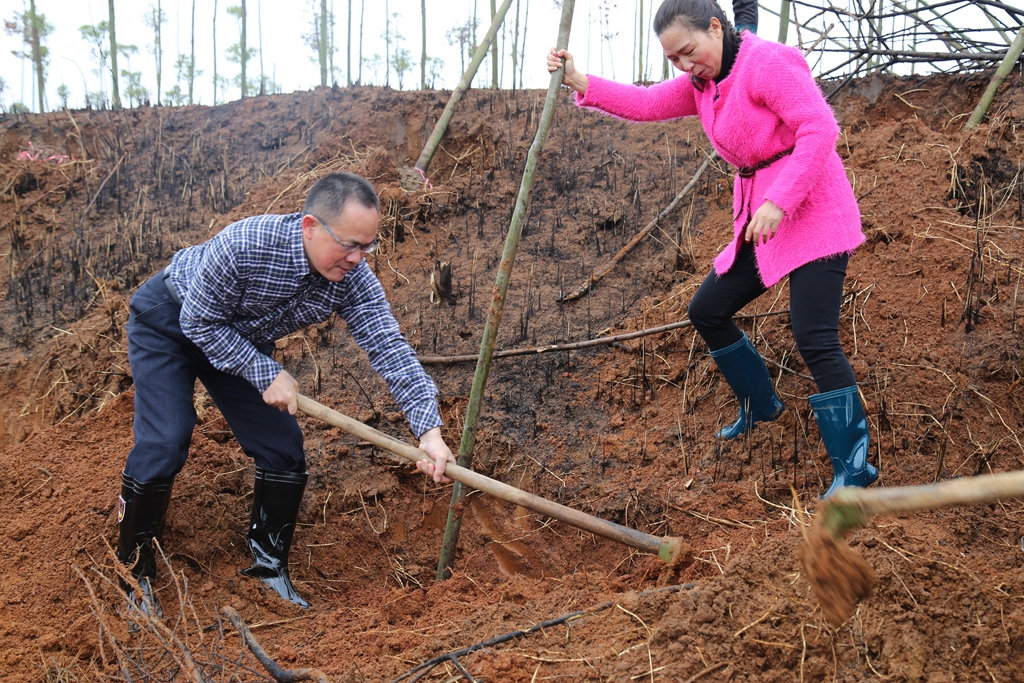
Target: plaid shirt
[[251, 285]]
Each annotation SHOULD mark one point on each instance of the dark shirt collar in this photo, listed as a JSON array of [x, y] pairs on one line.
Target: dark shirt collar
[[730, 48]]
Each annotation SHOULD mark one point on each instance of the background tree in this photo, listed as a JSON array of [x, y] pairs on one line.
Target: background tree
[[215, 53], [401, 58], [348, 46], [387, 44], [134, 91], [318, 37], [259, 29], [184, 67], [34, 29], [423, 52], [462, 35], [240, 53], [362, 8], [192, 55], [63, 92], [155, 18], [99, 41], [115, 96], [494, 52], [322, 43]]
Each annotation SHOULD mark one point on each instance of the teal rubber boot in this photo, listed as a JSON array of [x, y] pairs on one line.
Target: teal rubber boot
[[844, 430], [746, 373]]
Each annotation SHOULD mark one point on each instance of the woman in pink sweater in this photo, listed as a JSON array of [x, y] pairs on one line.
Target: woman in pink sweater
[[793, 208]]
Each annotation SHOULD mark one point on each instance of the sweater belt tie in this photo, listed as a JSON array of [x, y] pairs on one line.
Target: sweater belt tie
[[749, 171]]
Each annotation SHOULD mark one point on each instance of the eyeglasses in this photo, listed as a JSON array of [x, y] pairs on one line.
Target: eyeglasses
[[347, 247]]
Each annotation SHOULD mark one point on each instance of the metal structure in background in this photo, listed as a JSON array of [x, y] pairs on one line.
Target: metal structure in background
[[850, 38]]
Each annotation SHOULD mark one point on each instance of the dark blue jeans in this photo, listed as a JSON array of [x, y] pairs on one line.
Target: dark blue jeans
[[165, 366], [815, 295]]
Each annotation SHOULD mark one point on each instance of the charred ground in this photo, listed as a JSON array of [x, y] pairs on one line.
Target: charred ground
[[931, 322]]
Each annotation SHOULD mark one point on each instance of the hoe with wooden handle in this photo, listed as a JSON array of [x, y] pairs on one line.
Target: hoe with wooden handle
[[840, 577], [667, 548]]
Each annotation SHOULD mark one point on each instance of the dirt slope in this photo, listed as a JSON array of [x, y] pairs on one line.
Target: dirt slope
[[931, 323]]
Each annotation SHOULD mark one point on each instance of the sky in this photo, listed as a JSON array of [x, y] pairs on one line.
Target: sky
[[603, 40], [286, 57]]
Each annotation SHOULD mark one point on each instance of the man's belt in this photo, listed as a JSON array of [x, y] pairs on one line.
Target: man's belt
[[169, 283], [749, 171]]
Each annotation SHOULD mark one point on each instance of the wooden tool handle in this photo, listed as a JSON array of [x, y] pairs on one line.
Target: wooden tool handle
[[962, 491], [664, 547]]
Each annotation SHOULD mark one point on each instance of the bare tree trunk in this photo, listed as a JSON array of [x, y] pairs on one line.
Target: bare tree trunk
[[323, 43], [115, 99], [215, 53], [494, 53], [640, 44], [159, 51], [522, 55], [784, 22], [515, 50], [331, 47], [387, 44], [423, 53], [362, 13], [259, 33], [192, 57], [244, 52], [37, 54], [348, 47]]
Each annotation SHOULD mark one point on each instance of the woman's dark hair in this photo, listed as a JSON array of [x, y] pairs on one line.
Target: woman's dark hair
[[695, 15], [329, 195]]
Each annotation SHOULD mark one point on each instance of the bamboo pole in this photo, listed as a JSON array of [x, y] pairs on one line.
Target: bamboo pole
[[508, 256], [784, 22], [665, 547], [574, 346], [1012, 55], [423, 162]]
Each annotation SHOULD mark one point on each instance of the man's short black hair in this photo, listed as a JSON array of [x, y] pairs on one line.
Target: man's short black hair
[[329, 195]]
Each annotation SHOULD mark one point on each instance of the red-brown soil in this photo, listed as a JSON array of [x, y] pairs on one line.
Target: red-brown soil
[[932, 322]]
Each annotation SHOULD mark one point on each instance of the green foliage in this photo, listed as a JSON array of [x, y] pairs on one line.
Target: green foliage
[[374, 64], [401, 63], [434, 67], [19, 108], [134, 90], [176, 97], [97, 100], [33, 28], [234, 53], [185, 68], [22, 24], [62, 92], [462, 35]]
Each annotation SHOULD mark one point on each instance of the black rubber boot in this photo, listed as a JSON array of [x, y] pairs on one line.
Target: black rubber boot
[[844, 430], [746, 373], [140, 515], [276, 498]]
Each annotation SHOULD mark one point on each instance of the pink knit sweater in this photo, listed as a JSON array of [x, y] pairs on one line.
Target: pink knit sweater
[[768, 103]]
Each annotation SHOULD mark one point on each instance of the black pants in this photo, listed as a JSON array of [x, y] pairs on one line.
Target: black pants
[[744, 12], [165, 365], [815, 295]]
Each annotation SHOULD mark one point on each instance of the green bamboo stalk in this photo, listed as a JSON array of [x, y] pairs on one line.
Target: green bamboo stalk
[[423, 162], [784, 22], [508, 257], [1012, 55]]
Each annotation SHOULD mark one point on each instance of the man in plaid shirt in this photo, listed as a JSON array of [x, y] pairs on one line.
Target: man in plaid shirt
[[214, 314]]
